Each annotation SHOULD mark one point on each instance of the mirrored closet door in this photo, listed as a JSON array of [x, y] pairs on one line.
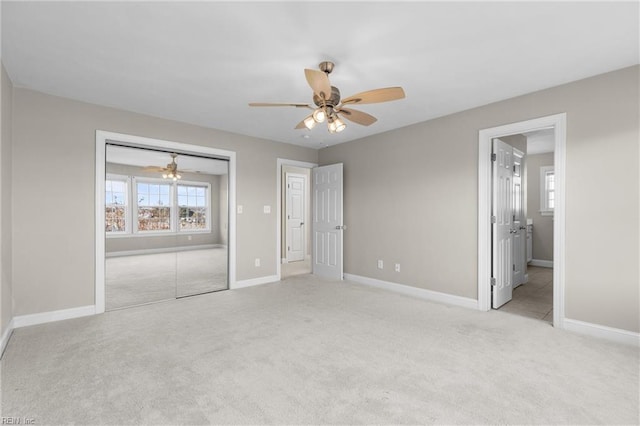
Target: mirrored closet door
[[166, 225]]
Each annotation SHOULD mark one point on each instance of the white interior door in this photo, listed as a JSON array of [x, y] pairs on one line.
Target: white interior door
[[519, 221], [295, 197], [327, 221], [502, 229]]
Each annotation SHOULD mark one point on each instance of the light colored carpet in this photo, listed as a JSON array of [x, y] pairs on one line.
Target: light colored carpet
[[306, 351], [135, 280]]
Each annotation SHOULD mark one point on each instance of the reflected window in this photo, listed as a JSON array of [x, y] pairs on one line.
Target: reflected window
[[193, 206], [116, 204], [154, 206]]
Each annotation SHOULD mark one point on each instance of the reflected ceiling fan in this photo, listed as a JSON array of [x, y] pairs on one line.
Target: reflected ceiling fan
[[169, 172], [328, 106]]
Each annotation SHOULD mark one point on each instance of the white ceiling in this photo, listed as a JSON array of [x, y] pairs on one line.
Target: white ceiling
[[203, 62]]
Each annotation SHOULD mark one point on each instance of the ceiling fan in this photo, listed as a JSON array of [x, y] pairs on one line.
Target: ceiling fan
[[169, 172], [328, 105]]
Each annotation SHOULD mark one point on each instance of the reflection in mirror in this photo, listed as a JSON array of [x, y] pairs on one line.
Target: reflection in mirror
[[166, 226]]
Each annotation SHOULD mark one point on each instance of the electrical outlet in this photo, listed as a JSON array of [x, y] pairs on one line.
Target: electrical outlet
[[239, 209], [397, 267], [380, 264], [189, 237], [257, 262], [267, 209]]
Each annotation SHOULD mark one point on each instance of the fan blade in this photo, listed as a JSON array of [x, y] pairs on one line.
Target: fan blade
[[358, 117], [376, 96], [319, 82], [267, 104], [154, 169]]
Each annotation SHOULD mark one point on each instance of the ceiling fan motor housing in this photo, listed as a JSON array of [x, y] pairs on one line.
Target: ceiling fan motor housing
[[333, 100]]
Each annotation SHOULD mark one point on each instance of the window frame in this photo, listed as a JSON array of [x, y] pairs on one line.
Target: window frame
[[207, 195], [545, 210], [131, 208], [135, 180], [127, 206]]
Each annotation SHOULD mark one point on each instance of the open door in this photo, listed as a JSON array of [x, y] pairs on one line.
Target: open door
[[327, 221], [502, 229]]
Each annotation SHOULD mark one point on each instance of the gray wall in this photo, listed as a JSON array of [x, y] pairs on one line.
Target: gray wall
[[542, 225], [411, 197], [114, 244], [50, 131], [6, 297]]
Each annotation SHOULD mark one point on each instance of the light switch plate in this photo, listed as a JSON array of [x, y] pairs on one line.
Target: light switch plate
[[267, 209], [239, 209]]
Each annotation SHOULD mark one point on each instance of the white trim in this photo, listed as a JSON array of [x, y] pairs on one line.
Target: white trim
[[162, 250], [558, 123], [101, 141], [541, 263], [6, 336], [279, 163], [45, 317], [255, 281], [430, 295], [603, 332]]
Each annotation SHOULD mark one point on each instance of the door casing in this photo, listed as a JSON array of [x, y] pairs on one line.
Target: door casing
[[279, 207], [559, 123]]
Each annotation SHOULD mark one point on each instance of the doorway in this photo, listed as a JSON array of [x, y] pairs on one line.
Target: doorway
[[524, 164], [163, 223], [487, 281], [294, 213]]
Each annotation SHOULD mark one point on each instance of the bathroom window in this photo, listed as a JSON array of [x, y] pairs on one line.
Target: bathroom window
[[547, 190]]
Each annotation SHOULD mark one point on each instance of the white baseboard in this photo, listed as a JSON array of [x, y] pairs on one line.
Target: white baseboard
[[5, 337], [163, 250], [541, 263], [255, 281], [602, 331], [44, 317], [421, 293], [284, 260]]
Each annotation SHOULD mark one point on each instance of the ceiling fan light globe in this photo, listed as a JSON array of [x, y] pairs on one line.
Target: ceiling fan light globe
[[332, 126], [319, 115], [339, 125], [310, 122]]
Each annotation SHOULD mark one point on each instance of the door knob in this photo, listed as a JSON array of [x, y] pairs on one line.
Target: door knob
[[523, 227], [339, 227], [513, 231]]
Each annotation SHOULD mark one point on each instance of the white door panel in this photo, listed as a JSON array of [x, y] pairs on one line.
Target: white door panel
[[519, 237], [503, 227], [327, 221], [296, 184]]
